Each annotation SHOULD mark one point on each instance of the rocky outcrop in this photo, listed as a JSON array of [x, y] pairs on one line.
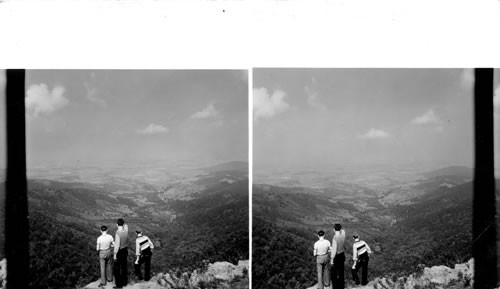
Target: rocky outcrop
[[218, 275], [227, 271], [460, 277], [215, 273], [3, 273]]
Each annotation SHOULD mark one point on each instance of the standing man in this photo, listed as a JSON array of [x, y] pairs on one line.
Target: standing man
[[104, 244], [143, 247], [360, 251], [337, 258], [321, 248], [121, 254]]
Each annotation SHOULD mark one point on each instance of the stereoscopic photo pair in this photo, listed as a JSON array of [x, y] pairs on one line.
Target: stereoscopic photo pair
[[372, 178]]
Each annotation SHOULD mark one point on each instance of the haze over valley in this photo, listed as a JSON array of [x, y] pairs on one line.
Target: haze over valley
[[408, 218], [387, 153], [166, 150]]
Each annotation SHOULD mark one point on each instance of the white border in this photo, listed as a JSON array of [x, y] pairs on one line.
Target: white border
[[242, 34], [208, 34]]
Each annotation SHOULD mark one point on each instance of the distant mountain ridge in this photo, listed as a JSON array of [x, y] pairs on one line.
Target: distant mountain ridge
[[240, 166], [460, 171]]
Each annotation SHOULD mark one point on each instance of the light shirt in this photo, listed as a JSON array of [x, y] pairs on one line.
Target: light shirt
[[359, 247], [338, 243], [104, 242], [121, 237], [321, 247]]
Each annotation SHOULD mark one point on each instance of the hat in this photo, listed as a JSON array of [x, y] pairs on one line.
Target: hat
[[138, 232], [355, 236], [337, 227]]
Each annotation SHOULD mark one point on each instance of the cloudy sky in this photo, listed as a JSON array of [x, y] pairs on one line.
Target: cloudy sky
[[93, 116], [327, 117]]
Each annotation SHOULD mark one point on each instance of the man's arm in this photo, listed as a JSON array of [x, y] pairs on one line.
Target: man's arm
[[333, 250], [354, 252], [98, 245], [117, 245], [368, 248], [315, 252], [151, 245], [137, 247]]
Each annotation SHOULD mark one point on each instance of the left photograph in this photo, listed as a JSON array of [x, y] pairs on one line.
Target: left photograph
[[137, 178]]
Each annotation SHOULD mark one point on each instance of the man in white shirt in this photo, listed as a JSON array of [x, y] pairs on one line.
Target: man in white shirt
[[321, 248], [104, 247], [360, 251]]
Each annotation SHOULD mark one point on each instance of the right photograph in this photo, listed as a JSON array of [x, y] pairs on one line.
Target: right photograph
[[363, 178]]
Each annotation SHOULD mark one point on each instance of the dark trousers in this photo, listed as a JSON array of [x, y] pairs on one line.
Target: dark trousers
[[121, 278], [146, 260], [363, 265], [337, 271]]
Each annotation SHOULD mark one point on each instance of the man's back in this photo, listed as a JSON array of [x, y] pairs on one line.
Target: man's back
[[322, 246], [142, 243], [122, 237], [339, 239], [359, 247], [104, 242]]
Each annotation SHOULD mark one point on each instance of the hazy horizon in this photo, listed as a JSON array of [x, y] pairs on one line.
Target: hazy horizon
[[362, 118], [98, 117]]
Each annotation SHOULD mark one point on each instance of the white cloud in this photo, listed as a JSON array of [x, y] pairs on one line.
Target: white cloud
[[439, 128], [153, 129], [266, 105], [313, 96], [467, 77], [496, 98], [207, 112], [92, 95], [429, 117], [374, 134], [313, 101], [2, 78], [40, 100]]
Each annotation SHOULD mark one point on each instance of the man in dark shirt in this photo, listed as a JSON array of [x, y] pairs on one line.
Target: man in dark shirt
[[121, 254], [338, 257]]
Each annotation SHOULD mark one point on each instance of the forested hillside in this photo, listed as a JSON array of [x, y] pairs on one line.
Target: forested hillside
[[435, 228], [213, 226]]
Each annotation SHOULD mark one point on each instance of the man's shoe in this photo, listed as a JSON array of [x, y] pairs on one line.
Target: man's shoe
[[101, 285]]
